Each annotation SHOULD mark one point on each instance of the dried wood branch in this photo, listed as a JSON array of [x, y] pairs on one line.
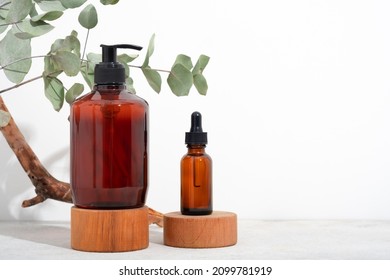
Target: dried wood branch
[[46, 186]]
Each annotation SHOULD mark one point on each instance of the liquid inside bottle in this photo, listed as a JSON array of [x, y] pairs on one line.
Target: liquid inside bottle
[[109, 149], [196, 172], [196, 182]]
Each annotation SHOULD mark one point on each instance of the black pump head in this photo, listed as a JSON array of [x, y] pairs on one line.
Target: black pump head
[[196, 136], [109, 71]]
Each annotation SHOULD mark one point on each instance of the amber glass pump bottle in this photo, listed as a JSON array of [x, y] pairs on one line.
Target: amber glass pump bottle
[[109, 140], [196, 172]]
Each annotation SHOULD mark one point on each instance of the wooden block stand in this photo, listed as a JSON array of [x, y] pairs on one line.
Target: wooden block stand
[[211, 231], [109, 230]]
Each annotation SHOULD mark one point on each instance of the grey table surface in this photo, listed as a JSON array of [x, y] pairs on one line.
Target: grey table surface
[[257, 239]]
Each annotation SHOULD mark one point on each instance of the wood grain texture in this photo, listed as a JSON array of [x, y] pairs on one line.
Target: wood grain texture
[[109, 230], [211, 231]]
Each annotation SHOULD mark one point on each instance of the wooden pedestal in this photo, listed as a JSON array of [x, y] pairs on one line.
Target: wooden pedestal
[[109, 230], [211, 231]]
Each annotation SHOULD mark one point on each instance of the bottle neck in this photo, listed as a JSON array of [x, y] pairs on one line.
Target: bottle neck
[[108, 87], [196, 149]]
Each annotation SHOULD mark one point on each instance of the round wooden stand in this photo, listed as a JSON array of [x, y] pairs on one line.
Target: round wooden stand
[[211, 231], [109, 230]]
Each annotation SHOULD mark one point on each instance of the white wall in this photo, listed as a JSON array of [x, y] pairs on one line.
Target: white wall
[[297, 111]]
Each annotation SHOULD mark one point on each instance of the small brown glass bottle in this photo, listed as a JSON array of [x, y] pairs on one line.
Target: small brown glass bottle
[[196, 172]]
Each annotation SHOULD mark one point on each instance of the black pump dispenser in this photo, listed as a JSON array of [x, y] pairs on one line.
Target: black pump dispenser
[[109, 71], [196, 136]]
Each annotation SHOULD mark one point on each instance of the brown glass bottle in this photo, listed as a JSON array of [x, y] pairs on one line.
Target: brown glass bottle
[[109, 141], [196, 172], [109, 152]]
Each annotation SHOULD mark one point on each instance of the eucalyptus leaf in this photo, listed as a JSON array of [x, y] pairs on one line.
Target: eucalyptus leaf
[[17, 52], [149, 52], [109, 2], [200, 84], [201, 64], [19, 10], [71, 4], [50, 68], [153, 78], [88, 17], [130, 85], [87, 74], [74, 92], [4, 4], [67, 61], [88, 67], [184, 60], [54, 91], [3, 25], [28, 29], [47, 16], [71, 44], [125, 58], [50, 5], [180, 80], [5, 117], [33, 12]]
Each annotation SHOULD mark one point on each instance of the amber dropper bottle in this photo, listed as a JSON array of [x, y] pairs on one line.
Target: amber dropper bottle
[[196, 172]]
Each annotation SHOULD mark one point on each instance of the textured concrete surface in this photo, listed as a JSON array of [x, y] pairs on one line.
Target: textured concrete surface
[[257, 239]]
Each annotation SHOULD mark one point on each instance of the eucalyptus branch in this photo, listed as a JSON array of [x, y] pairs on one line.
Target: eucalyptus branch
[[85, 45], [10, 23], [26, 82], [158, 70], [4, 4], [21, 84], [22, 59]]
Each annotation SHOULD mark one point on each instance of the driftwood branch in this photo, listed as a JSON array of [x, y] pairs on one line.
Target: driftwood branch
[[46, 186]]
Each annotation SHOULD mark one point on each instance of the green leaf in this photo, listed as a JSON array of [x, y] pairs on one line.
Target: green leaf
[[180, 80], [87, 74], [19, 10], [67, 61], [28, 29], [50, 5], [3, 25], [130, 85], [5, 117], [14, 49], [200, 84], [50, 68], [71, 4], [109, 2], [149, 52], [201, 64], [125, 58], [74, 92], [5, 4], [184, 60], [47, 16], [71, 44], [54, 91], [153, 78], [88, 67], [88, 17]]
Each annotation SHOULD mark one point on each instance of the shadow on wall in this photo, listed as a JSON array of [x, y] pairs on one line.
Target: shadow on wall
[[15, 186]]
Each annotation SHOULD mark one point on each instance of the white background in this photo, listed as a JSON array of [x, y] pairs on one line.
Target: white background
[[296, 114]]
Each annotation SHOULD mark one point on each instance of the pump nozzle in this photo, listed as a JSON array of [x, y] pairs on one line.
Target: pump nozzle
[[196, 136], [109, 71]]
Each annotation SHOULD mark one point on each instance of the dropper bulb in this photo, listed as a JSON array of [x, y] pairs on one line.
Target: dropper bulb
[[196, 136], [196, 122]]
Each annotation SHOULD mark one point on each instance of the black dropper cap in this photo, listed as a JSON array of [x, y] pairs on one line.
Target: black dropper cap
[[110, 71], [196, 136]]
